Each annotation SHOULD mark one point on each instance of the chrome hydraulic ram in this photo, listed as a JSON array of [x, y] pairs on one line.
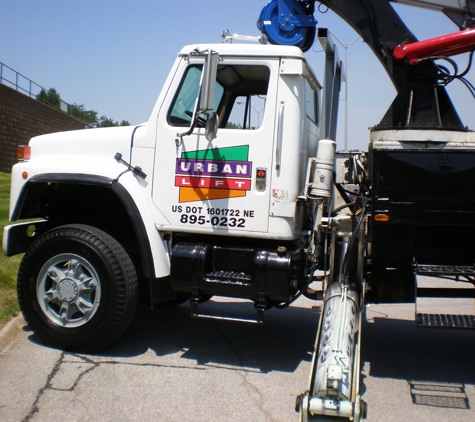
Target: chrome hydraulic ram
[[334, 378]]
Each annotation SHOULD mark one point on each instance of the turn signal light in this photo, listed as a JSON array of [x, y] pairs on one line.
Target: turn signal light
[[23, 152], [381, 217]]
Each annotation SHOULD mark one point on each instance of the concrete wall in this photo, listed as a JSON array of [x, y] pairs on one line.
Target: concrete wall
[[21, 118]]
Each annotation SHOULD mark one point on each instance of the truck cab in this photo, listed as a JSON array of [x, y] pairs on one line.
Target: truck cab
[[201, 200]]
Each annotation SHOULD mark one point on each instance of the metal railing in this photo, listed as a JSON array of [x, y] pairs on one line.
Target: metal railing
[[20, 83]]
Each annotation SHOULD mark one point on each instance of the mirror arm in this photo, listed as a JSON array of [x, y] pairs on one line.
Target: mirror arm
[[192, 127]]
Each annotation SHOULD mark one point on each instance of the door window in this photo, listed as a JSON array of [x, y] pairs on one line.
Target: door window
[[183, 106], [240, 97]]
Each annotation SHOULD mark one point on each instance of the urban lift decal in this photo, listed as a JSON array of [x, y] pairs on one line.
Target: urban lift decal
[[213, 173]]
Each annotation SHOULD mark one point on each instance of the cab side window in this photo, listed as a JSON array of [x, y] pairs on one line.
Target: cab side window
[[247, 112], [311, 103], [245, 95], [240, 96], [184, 103]]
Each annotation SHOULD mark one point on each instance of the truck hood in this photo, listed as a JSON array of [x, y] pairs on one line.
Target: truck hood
[[78, 144]]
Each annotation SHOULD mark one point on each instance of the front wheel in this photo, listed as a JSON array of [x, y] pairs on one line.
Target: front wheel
[[77, 288]]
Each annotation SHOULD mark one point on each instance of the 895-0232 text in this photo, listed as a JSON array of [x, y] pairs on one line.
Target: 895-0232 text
[[221, 217]]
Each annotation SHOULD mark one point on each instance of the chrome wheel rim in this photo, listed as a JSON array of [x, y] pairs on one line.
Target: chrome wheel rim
[[68, 290]]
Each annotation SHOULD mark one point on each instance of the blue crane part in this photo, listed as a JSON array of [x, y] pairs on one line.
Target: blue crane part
[[289, 22]]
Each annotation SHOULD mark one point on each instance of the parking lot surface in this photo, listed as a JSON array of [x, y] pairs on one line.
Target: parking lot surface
[[170, 367]]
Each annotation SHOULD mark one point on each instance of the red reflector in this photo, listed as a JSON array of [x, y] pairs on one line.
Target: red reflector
[[23, 152], [261, 173]]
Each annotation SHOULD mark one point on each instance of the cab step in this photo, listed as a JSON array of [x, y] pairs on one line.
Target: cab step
[[445, 321], [195, 313], [434, 270], [445, 292]]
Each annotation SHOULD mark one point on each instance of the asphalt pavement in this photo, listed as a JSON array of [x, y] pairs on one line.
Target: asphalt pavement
[[170, 367]]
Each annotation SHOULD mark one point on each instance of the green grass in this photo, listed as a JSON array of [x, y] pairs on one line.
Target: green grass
[[8, 266]]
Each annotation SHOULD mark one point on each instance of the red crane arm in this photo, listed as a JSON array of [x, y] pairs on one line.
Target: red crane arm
[[445, 45]]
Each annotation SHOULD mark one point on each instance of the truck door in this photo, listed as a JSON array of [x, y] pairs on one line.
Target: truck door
[[219, 186]]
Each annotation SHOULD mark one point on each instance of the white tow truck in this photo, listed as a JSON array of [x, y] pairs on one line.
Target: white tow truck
[[199, 201], [233, 188]]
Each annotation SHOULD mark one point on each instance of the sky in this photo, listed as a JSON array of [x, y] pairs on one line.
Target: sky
[[113, 56]]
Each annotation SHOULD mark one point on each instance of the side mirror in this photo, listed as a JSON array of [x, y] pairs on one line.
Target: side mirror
[[208, 81], [205, 98], [211, 128]]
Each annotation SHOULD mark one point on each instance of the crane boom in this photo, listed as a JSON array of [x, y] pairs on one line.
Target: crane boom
[[459, 11], [421, 100]]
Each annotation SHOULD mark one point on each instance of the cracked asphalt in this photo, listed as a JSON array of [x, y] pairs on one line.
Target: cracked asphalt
[[167, 367], [170, 367]]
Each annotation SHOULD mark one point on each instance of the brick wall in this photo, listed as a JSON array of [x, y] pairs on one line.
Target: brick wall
[[21, 118]]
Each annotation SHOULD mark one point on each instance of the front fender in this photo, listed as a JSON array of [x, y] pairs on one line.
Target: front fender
[[130, 194]]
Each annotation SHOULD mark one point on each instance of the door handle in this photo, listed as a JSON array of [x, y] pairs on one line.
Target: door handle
[[280, 130]]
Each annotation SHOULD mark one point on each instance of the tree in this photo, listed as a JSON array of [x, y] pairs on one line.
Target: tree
[[106, 122], [89, 117], [231, 125], [50, 97]]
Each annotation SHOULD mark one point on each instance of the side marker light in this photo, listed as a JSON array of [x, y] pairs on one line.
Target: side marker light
[[381, 217], [23, 152]]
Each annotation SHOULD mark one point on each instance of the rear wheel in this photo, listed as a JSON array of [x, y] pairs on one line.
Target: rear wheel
[[77, 288]]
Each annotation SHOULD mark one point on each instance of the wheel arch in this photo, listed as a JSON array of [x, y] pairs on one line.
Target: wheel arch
[[98, 201]]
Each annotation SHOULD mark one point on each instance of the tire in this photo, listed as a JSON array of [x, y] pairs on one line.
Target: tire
[[77, 288]]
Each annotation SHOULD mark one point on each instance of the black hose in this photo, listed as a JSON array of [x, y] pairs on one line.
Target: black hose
[[364, 203], [342, 207]]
